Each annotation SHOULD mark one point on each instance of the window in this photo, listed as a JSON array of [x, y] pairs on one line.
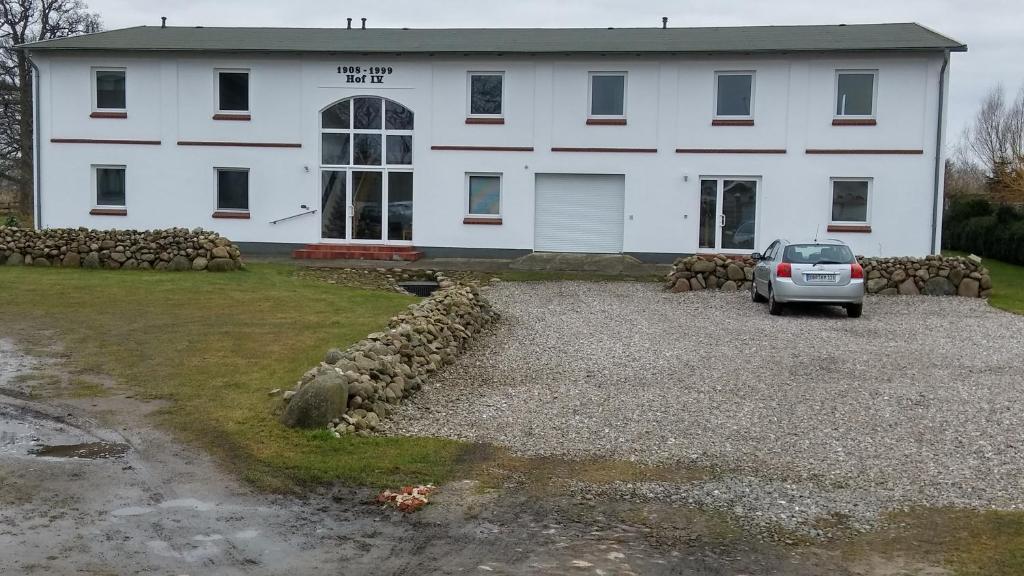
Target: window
[[233, 91], [855, 93], [608, 94], [850, 200], [484, 195], [110, 189], [366, 131], [109, 89], [486, 93], [734, 94], [233, 189], [818, 253]]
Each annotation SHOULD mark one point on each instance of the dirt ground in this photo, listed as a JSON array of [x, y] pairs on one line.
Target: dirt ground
[[132, 500]]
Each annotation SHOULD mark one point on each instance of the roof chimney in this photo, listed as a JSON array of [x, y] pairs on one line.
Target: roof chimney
[[664, 22], [349, 27], [364, 23], [163, 21]]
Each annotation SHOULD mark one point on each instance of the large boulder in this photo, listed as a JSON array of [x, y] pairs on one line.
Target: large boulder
[[318, 402], [701, 266], [969, 287], [15, 259], [876, 285], [220, 265], [939, 286], [179, 264]]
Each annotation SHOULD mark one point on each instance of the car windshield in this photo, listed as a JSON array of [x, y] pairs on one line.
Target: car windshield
[[818, 254]]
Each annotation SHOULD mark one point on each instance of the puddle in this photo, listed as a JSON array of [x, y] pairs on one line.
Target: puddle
[[89, 450]]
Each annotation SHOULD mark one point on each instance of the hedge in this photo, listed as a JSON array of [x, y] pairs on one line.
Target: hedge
[[986, 229]]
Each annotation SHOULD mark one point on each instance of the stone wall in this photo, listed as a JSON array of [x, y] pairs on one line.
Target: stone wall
[[351, 391], [932, 275], [710, 272], [171, 249]]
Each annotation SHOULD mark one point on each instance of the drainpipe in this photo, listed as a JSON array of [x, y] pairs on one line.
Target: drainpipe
[[37, 184], [937, 200]]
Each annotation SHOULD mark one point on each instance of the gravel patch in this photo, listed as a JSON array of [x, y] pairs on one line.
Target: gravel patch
[[918, 402]]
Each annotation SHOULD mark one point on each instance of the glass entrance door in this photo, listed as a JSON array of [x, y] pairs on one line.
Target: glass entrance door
[[728, 214], [366, 171]]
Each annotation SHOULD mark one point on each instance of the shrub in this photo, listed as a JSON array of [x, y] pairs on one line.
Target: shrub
[[991, 231]]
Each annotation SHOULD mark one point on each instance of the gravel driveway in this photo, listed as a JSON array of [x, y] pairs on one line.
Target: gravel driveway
[[811, 414]]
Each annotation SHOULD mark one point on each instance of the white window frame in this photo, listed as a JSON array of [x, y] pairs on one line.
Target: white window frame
[[216, 189], [94, 169], [469, 93], [95, 87], [216, 90], [753, 90], [590, 95], [874, 95], [832, 198], [501, 194]]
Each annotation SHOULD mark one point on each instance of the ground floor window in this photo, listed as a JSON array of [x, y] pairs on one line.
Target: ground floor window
[[483, 195], [110, 186], [850, 200], [233, 189], [728, 213]]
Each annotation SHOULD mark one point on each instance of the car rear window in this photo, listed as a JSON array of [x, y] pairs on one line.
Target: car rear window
[[818, 254]]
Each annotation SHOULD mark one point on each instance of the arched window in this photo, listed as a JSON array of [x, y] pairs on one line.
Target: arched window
[[366, 170]]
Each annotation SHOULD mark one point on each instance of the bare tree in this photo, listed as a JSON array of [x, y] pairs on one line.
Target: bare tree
[[993, 146], [24, 21]]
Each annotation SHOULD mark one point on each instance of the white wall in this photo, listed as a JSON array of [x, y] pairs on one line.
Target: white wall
[[669, 105]]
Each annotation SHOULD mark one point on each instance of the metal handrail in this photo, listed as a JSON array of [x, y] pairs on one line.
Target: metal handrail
[[293, 216]]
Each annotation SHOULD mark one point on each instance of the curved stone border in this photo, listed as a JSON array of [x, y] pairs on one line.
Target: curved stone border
[[931, 275], [174, 249], [352, 390]]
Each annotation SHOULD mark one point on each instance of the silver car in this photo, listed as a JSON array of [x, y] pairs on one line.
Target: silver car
[[818, 272]]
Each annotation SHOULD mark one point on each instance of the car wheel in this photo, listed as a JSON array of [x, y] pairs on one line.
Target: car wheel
[[755, 296], [774, 308], [854, 310]]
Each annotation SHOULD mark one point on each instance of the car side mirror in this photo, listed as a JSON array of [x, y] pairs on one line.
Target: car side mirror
[[757, 256]]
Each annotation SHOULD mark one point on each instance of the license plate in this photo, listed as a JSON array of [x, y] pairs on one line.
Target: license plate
[[820, 277]]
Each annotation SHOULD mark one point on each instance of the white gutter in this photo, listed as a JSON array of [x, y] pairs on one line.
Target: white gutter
[[37, 185]]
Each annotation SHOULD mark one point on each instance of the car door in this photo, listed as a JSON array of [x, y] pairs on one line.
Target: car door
[[763, 268]]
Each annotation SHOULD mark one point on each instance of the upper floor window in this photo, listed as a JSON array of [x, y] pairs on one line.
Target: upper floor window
[[233, 91], [850, 200], [233, 189], [486, 94], [734, 95], [366, 131], [855, 93], [109, 94], [109, 186], [608, 95]]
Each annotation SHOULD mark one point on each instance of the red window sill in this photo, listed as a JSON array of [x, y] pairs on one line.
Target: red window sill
[[849, 228], [242, 117], [108, 115], [108, 212], [724, 122], [472, 220], [606, 121], [234, 215], [485, 120], [854, 122]]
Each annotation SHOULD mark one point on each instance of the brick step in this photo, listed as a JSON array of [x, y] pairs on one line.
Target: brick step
[[356, 253]]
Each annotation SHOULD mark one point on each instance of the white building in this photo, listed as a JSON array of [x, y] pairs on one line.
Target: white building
[[494, 142]]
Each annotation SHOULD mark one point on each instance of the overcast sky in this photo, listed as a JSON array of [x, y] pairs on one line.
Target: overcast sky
[[992, 29]]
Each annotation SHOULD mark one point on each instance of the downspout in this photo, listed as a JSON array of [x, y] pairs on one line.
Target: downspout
[[37, 184], [938, 152]]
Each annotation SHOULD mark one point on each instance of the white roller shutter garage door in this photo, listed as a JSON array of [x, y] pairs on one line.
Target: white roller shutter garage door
[[579, 213]]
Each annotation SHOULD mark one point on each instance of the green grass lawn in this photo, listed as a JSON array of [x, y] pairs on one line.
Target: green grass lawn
[[1007, 284], [215, 344]]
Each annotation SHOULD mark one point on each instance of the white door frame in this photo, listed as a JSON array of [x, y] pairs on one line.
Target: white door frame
[[720, 215], [384, 169]]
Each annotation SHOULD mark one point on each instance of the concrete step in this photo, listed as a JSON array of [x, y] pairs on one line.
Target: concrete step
[[357, 252]]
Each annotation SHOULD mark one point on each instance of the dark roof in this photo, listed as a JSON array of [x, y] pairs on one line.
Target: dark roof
[[854, 37]]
